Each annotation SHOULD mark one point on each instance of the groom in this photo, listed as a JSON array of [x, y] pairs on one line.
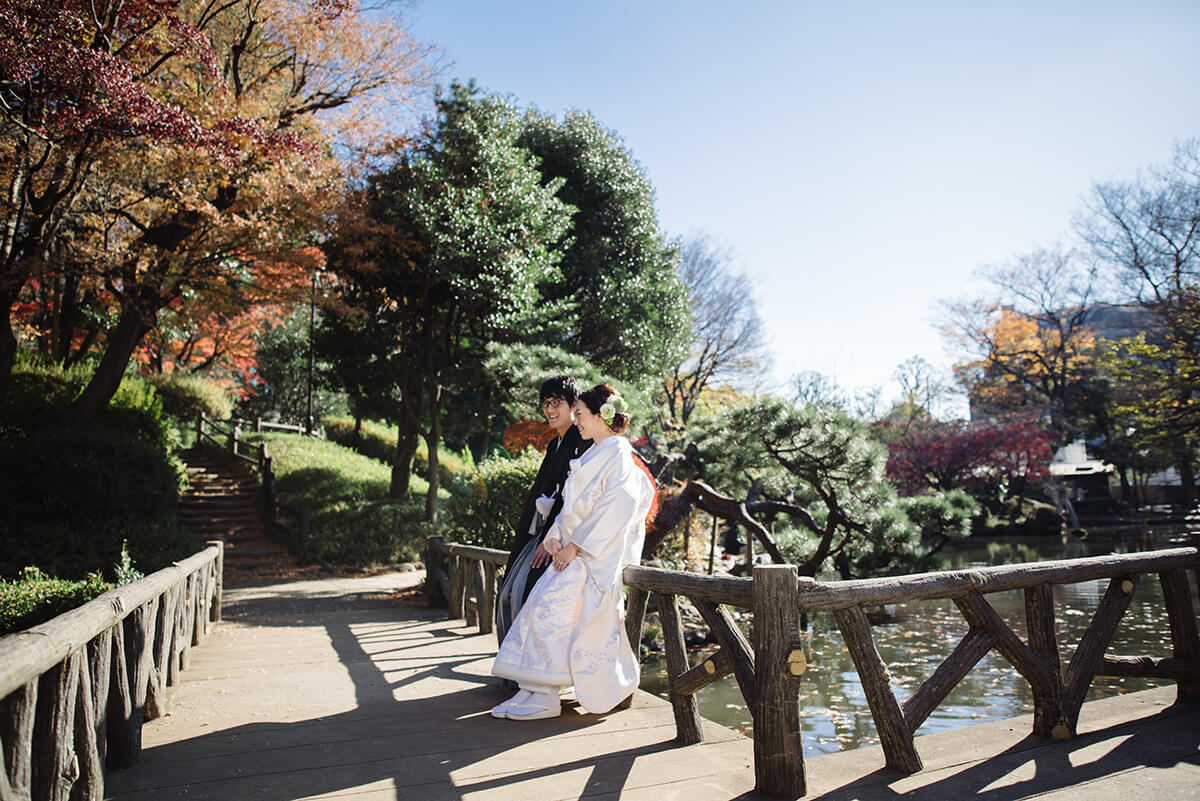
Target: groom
[[528, 559]]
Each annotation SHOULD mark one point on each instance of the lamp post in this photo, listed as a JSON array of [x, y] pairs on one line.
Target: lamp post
[[312, 316]]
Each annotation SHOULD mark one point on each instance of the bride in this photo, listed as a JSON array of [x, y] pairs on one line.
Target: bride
[[570, 630]]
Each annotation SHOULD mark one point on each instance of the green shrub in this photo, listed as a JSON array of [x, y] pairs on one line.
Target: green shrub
[[186, 396], [948, 514], [372, 533], [378, 440], [353, 521], [40, 394], [72, 496], [486, 504], [34, 598]]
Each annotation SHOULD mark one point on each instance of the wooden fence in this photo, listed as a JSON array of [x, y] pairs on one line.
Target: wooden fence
[[770, 670], [74, 691]]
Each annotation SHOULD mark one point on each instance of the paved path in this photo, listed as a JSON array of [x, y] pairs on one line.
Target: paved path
[[332, 689]]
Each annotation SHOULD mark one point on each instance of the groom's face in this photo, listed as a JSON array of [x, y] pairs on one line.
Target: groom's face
[[559, 414]]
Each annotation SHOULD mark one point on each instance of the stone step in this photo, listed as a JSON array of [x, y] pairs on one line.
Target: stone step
[[225, 512], [223, 503]]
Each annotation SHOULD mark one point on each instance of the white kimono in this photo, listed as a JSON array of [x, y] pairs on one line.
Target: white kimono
[[571, 629]]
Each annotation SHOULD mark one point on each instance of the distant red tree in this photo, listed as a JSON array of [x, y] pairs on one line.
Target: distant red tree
[[946, 455], [525, 433]]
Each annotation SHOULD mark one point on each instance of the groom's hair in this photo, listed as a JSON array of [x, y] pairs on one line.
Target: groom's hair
[[561, 386]]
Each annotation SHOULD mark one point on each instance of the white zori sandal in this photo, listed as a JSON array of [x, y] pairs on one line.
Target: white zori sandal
[[527, 705], [501, 710]]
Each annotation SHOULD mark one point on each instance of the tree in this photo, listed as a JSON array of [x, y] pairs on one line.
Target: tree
[[75, 80], [618, 301], [727, 336], [442, 254], [984, 458], [279, 388], [1032, 349], [1148, 233], [225, 196], [813, 388], [815, 468]]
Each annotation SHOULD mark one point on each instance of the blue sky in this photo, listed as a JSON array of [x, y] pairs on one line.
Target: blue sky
[[861, 159]]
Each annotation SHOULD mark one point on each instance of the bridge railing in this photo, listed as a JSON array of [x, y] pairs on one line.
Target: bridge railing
[[74, 691], [769, 670]]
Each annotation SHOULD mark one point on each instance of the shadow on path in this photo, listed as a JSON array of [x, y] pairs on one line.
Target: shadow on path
[[419, 727]]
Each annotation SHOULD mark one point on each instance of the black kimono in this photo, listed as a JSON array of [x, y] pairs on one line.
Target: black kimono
[[549, 482]]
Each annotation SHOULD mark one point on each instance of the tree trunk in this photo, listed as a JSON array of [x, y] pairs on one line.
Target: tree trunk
[[406, 449], [488, 415], [1127, 493], [409, 424], [8, 347], [431, 441], [122, 340], [1184, 459]]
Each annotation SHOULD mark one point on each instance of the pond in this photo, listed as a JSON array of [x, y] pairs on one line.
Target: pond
[[913, 638]]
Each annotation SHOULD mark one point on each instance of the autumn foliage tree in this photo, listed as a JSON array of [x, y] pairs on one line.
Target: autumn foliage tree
[[985, 458], [1031, 350], [167, 159]]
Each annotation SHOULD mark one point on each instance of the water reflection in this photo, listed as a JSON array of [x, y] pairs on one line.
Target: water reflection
[[914, 638]]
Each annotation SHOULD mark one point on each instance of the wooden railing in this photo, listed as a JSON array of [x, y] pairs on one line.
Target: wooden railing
[[74, 691], [464, 577], [769, 671]]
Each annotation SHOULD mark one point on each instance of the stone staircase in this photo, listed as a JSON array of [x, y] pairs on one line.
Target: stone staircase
[[223, 502]]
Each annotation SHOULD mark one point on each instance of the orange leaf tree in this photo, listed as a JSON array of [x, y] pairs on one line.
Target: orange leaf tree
[[194, 228], [1033, 351]]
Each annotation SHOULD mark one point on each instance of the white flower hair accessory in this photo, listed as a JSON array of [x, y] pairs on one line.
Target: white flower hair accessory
[[610, 408]]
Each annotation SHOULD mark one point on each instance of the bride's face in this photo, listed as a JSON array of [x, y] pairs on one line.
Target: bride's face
[[590, 426]]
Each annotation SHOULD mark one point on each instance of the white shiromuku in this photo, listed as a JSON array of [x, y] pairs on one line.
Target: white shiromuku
[[570, 629]]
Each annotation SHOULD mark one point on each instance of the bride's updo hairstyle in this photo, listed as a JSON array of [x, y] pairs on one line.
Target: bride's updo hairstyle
[[596, 398]]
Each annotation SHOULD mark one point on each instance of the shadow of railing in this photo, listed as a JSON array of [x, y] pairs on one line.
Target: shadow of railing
[[418, 726]]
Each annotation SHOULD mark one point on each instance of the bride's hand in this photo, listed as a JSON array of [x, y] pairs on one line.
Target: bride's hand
[[564, 556]]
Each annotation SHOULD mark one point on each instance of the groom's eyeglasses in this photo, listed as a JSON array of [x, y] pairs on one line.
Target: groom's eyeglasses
[[553, 403]]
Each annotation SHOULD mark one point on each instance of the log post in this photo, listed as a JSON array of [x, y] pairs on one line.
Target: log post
[[187, 620], [55, 764], [132, 663], [473, 594], [1182, 618], [219, 577], [164, 631], [99, 658], [778, 751], [120, 742], [1049, 719], [487, 600], [17, 715], [458, 586], [90, 770], [435, 563], [687, 713]]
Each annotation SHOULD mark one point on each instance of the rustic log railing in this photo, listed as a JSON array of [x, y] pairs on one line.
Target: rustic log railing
[[465, 578], [769, 671], [74, 691]]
